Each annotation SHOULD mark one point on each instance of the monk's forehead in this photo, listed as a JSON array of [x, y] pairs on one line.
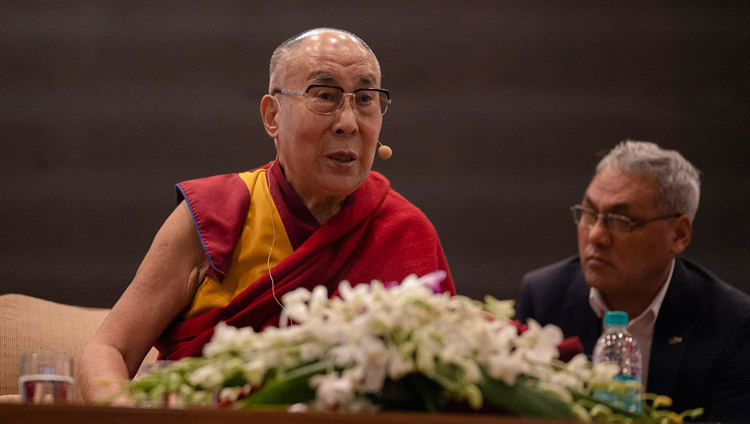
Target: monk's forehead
[[333, 41], [333, 48]]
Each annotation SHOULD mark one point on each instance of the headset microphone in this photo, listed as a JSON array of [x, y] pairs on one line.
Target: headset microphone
[[384, 152]]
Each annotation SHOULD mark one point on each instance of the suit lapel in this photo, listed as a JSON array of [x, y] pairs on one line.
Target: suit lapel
[[672, 332], [579, 318]]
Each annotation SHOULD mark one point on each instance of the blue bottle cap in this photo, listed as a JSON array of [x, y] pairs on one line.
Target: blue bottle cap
[[616, 318]]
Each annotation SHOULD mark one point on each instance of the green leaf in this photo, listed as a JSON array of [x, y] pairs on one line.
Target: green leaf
[[429, 392], [236, 379], [524, 400], [591, 403], [283, 391], [413, 392]]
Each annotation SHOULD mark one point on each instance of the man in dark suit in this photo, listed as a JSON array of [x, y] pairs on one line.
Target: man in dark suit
[[693, 329]]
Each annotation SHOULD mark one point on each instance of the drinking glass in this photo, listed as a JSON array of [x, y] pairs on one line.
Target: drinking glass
[[153, 366], [166, 400], [46, 377]]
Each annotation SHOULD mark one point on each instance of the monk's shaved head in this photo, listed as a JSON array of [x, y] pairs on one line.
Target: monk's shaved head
[[282, 60]]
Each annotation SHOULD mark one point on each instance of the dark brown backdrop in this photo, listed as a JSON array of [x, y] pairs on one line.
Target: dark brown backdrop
[[499, 111]]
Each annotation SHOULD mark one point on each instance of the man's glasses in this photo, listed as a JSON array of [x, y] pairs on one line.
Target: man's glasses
[[327, 99], [612, 222]]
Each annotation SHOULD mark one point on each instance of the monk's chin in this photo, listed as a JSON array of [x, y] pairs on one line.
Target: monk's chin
[[344, 185]]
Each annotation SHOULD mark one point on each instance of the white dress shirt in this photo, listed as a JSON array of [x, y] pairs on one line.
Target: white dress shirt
[[642, 326]]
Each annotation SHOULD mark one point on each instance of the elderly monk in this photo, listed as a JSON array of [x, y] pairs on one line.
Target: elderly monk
[[316, 215]]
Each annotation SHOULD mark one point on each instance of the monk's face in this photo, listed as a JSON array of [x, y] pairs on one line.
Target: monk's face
[[327, 156]]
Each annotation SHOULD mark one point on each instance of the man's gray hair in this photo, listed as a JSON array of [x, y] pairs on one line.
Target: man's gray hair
[[678, 181], [281, 53]]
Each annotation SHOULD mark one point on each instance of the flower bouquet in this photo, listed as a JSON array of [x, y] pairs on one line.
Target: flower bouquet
[[398, 347]]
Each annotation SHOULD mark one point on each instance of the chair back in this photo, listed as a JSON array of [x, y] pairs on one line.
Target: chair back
[[30, 324]]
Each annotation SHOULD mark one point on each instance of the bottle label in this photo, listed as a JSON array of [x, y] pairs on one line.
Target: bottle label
[[624, 392]]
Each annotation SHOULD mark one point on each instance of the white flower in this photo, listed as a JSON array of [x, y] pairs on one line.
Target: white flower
[[311, 350], [603, 373], [222, 339], [426, 350], [563, 381], [399, 364], [432, 280], [371, 333], [580, 367], [558, 389], [231, 393], [298, 407], [538, 343], [501, 309], [255, 369], [295, 306], [332, 390], [507, 368], [318, 300], [209, 376]]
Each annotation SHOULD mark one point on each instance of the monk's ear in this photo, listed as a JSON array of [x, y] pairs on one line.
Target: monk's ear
[[683, 232], [269, 112]]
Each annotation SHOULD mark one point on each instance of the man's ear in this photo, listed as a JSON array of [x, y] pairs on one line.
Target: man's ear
[[683, 232], [269, 112]]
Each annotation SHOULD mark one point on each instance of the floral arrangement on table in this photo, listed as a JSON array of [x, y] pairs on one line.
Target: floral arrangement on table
[[394, 347]]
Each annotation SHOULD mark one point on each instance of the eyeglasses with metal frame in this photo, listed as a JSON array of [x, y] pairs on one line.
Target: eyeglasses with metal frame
[[327, 99], [614, 223]]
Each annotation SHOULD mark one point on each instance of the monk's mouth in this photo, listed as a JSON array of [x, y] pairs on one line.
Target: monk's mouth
[[342, 158]]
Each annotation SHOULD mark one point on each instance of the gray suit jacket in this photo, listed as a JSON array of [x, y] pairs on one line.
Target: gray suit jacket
[[700, 353]]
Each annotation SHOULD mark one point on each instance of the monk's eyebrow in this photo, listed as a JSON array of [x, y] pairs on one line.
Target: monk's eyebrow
[[367, 80], [321, 77]]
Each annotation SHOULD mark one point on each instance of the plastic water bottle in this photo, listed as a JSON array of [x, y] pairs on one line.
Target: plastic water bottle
[[617, 346]]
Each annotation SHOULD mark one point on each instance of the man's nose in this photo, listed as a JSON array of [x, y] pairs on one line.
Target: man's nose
[[346, 116], [598, 233]]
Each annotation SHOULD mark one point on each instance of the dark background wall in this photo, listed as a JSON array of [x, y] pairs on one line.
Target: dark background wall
[[500, 109]]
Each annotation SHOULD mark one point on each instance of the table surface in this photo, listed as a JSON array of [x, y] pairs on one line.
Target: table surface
[[79, 414]]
